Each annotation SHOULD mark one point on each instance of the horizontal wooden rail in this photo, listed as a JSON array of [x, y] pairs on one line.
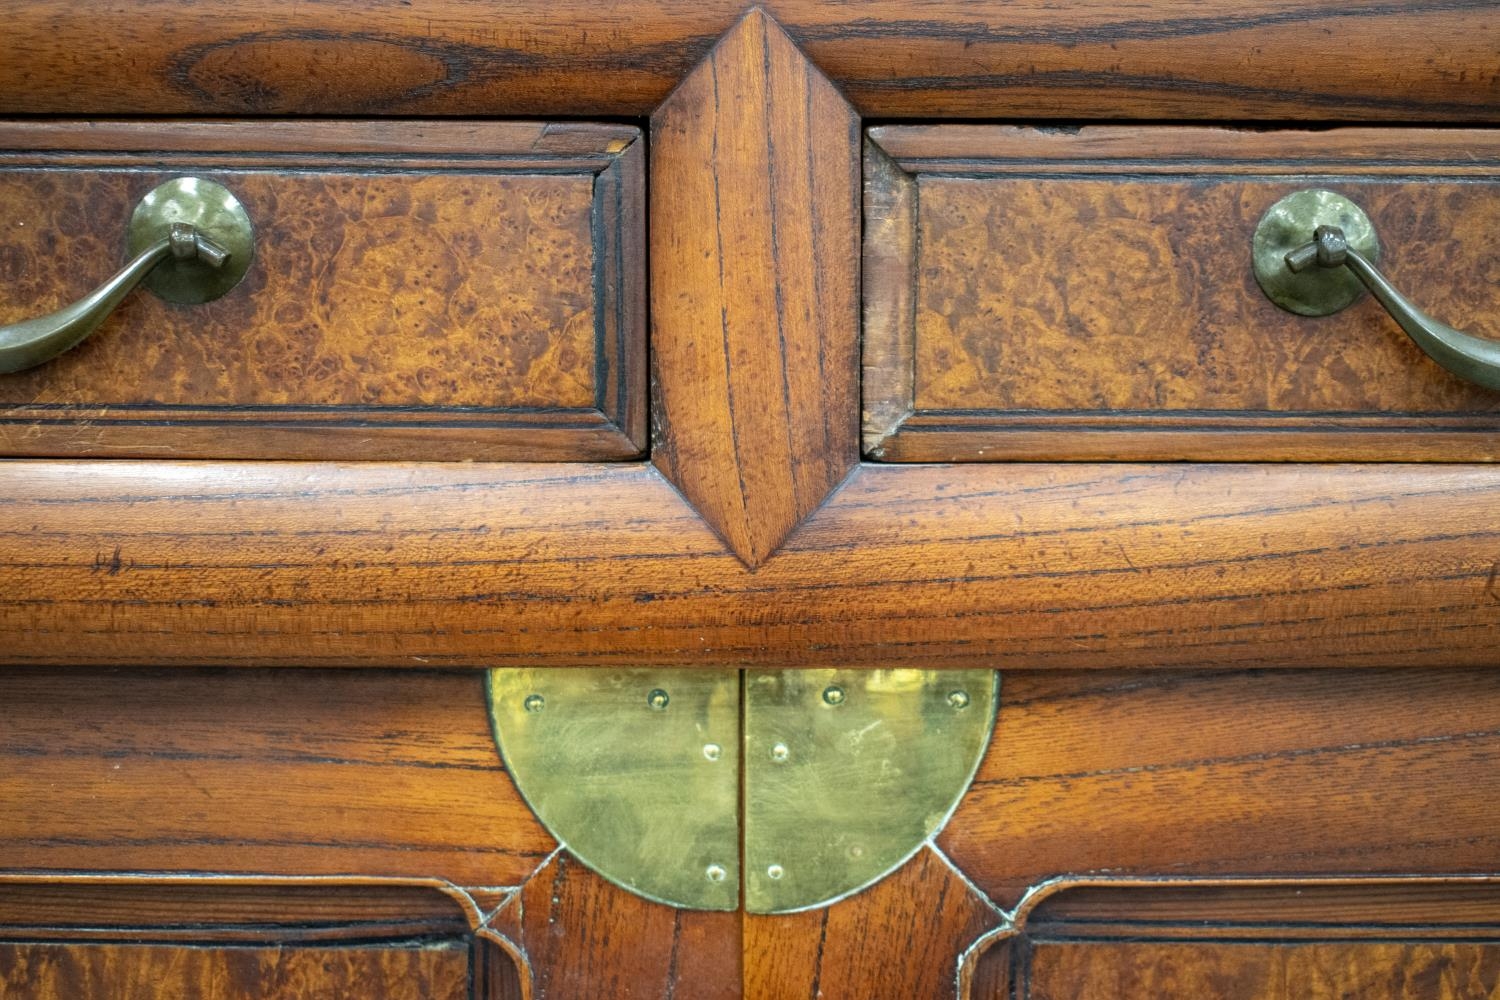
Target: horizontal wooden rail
[[1243, 59], [1015, 566]]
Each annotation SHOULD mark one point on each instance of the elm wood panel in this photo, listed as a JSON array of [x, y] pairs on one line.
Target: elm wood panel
[[1109, 312], [902, 937], [1029, 566], [1233, 773], [425, 302], [285, 772], [584, 938], [951, 59], [418, 971], [755, 304]]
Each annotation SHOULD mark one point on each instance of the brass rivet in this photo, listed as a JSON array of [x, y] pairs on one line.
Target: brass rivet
[[657, 699], [779, 752], [534, 703], [833, 695], [958, 699], [775, 871], [712, 751], [856, 852], [715, 873]]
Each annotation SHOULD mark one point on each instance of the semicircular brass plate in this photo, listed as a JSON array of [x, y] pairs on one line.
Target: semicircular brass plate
[[636, 772], [209, 208], [849, 772]]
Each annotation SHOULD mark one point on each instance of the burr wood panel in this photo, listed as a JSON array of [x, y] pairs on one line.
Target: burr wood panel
[[429, 971], [1088, 295], [456, 291], [952, 58]]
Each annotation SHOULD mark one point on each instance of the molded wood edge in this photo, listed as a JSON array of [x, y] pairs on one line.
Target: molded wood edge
[[1018, 566]]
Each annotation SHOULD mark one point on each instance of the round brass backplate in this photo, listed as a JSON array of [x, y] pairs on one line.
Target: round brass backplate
[[214, 212], [1287, 225]]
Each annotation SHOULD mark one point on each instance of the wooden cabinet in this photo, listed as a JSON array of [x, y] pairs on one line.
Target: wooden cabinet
[[661, 336]]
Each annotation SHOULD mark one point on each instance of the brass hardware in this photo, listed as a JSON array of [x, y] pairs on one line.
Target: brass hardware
[[1315, 253], [847, 773], [189, 240], [862, 784], [628, 785]]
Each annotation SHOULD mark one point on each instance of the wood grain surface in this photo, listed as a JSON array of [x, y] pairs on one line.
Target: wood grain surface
[[1244, 773], [1250, 940], [944, 59], [304, 564], [286, 772], [208, 910], [755, 315], [587, 939], [1034, 295], [900, 938], [466, 292], [225, 938], [434, 971]]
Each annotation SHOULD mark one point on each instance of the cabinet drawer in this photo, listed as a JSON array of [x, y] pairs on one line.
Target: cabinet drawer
[[417, 290], [1089, 294]]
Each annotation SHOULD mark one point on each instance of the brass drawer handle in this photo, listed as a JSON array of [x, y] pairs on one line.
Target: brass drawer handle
[[1327, 230], [190, 240]]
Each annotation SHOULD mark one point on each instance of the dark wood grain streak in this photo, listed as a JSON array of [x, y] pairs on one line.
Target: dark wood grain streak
[[1312, 772], [900, 938], [1047, 567], [286, 772], [945, 59], [588, 939], [467, 291], [1088, 296], [755, 315]]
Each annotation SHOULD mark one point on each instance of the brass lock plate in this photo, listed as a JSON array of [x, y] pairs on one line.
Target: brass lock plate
[[844, 773]]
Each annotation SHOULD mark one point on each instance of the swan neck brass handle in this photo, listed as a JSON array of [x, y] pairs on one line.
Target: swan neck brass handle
[[33, 341], [1342, 244], [194, 227]]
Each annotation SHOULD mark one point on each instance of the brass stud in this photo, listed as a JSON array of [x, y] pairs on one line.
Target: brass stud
[[715, 873], [779, 753], [712, 751], [775, 872], [958, 699], [534, 703], [658, 699], [833, 695]]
